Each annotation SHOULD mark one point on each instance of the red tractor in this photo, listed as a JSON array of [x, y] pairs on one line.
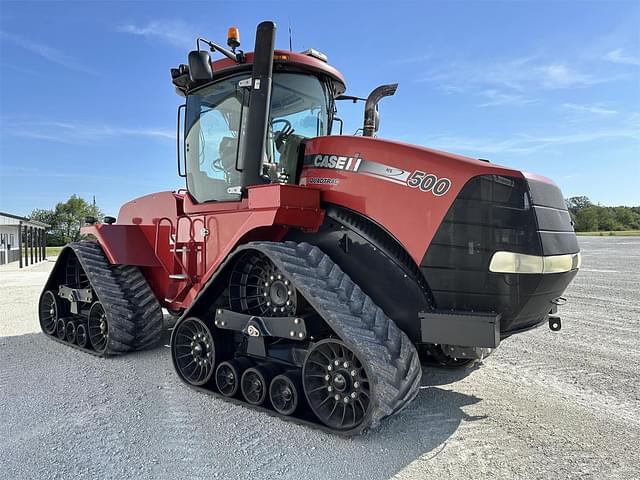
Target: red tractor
[[313, 274]]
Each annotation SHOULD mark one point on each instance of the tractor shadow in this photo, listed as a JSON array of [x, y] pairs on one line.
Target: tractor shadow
[[420, 432]]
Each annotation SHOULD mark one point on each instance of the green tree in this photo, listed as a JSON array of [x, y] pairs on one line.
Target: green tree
[[627, 217], [66, 218], [586, 219], [576, 203], [607, 219]]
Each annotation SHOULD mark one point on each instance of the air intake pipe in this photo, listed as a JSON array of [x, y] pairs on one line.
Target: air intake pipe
[[371, 116], [258, 117]]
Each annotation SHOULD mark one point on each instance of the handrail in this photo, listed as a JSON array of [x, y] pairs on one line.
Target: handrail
[[155, 246], [176, 258]]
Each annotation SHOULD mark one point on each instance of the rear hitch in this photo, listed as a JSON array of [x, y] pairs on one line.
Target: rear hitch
[[555, 324]]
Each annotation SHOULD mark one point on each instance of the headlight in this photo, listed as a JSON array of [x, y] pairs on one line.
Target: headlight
[[510, 262]]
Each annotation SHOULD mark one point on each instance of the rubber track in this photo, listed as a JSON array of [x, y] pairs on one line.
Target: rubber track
[[391, 360], [147, 312], [393, 364], [134, 321]]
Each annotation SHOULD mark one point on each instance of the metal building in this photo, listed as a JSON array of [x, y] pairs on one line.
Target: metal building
[[22, 240]]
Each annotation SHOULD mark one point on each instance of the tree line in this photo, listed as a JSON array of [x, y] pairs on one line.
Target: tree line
[[589, 217]]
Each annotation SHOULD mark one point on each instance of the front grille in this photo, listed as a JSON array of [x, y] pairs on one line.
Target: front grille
[[495, 213]]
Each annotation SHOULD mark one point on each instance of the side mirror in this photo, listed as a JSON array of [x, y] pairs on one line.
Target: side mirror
[[200, 66]]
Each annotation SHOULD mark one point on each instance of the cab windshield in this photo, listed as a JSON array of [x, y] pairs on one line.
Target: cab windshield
[[216, 121]]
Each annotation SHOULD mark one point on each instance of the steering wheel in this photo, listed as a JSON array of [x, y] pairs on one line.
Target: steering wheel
[[280, 136]]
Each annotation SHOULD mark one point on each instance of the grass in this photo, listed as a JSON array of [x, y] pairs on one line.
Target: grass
[[617, 233], [53, 251]]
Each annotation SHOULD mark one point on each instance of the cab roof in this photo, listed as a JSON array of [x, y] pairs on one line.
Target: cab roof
[[283, 60]]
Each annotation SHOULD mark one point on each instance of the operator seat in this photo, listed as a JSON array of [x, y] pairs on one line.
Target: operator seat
[[227, 150]]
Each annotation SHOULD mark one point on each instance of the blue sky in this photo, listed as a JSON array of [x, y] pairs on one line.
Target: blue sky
[[87, 106]]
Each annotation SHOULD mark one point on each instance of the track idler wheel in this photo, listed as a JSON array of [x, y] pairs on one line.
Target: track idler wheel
[[255, 384], [336, 385], [61, 329], [81, 335], [98, 328], [228, 375], [70, 331], [284, 393], [194, 351], [49, 312]]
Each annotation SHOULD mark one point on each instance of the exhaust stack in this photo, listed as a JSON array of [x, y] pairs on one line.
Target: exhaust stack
[[371, 116], [258, 117]]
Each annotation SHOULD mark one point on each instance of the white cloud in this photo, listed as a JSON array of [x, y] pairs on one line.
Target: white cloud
[[174, 32], [412, 59], [595, 109], [496, 98], [618, 56], [78, 132], [513, 82], [561, 76], [525, 143], [47, 52]]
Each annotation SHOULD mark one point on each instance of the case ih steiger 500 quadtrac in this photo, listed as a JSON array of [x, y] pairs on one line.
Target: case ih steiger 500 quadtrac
[[312, 272]]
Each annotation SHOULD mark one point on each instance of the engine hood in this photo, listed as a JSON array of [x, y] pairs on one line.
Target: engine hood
[[404, 188]]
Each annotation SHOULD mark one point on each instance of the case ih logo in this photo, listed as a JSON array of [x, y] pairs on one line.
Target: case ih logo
[[337, 162], [423, 181]]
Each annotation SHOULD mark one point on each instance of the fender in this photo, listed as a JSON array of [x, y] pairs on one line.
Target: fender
[[216, 228], [363, 249]]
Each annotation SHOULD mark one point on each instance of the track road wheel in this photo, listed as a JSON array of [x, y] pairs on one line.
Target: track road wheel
[[336, 385], [70, 331], [81, 335], [49, 312], [228, 375], [98, 328], [255, 384], [61, 329], [284, 393], [193, 351]]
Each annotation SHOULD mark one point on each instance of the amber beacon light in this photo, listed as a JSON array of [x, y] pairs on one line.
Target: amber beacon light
[[233, 37]]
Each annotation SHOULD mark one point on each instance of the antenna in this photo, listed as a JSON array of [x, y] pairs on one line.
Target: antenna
[[290, 41]]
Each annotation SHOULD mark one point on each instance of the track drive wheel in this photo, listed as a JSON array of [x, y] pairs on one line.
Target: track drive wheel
[[336, 385], [193, 351], [258, 287], [49, 312]]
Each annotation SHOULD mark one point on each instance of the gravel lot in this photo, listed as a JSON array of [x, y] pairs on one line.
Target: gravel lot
[[545, 405]]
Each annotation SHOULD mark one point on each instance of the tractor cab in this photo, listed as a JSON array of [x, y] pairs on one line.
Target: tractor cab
[[215, 128], [291, 97]]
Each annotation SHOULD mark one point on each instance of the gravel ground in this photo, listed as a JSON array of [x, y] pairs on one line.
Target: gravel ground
[[545, 405]]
